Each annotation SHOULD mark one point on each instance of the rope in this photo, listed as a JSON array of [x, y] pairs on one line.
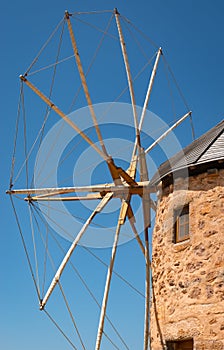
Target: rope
[[34, 249], [69, 57], [97, 28], [67, 305], [15, 138], [89, 251], [181, 95], [25, 249], [141, 32], [114, 272], [101, 119], [96, 257], [135, 39], [53, 76], [83, 281], [62, 292], [47, 113], [45, 260], [28, 156], [91, 12], [82, 219], [171, 93], [114, 345], [105, 32], [45, 242], [90, 292], [24, 137], [98, 304], [71, 315], [43, 47], [60, 329], [51, 65], [40, 133]]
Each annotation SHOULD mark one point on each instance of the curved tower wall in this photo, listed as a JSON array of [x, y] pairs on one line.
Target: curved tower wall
[[188, 277]]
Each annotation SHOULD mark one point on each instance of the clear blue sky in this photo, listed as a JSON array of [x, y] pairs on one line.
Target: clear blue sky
[[191, 34]]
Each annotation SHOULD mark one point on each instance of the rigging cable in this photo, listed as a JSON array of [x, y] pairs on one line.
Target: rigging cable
[[43, 47], [76, 217], [97, 28], [141, 32], [171, 92], [71, 315], [51, 65], [93, 59], [66, 232], [60, 286], [105, 32], [104, 115], [181, 94], [25, 249], [135, 39], [59, 328], [45, 260], [25, 138], [48, 110], [34, 249], [91, 12], [80, 277], [45, 243], [92, 63], [15, 138], [71, 56], [95, 256]]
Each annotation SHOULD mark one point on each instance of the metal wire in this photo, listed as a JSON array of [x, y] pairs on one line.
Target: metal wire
[[25, 248], [84, 283], [15, 137], [181, 94], [43, 47], [59, 328]]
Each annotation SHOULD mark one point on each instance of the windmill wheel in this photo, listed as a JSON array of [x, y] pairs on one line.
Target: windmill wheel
[[85, 177]]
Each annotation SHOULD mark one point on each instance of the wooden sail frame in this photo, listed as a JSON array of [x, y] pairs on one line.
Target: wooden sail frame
[[124, 185]]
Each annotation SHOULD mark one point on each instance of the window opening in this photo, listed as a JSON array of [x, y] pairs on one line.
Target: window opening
[[181, 226], [180, 345]]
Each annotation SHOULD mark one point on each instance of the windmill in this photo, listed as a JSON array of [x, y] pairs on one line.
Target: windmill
[[126, 184]]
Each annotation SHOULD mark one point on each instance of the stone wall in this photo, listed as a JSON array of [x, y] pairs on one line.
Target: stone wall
[[188, 277]]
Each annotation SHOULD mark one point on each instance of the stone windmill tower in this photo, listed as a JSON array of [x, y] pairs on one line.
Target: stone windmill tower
[[187, 310]]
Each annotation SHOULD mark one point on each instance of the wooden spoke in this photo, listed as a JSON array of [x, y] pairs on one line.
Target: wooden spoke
[[148, 95], [121, 220], [146, 204], [90, 196], [168, 131], [136, 234], [128, 72], [64, 117], [74, 244], [46, 223], [103, 189], [84, 83]]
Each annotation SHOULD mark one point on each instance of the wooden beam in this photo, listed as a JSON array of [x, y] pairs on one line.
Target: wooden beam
[[64, 117], [84, 83], [74, 244]]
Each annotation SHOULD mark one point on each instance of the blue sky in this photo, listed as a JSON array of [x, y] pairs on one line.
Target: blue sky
[[191, 35]]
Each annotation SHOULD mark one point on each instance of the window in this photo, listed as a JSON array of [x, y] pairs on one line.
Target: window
[[180, 345], [181, 226]]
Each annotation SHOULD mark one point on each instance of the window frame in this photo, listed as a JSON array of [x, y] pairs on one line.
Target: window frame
[[178, 214]]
